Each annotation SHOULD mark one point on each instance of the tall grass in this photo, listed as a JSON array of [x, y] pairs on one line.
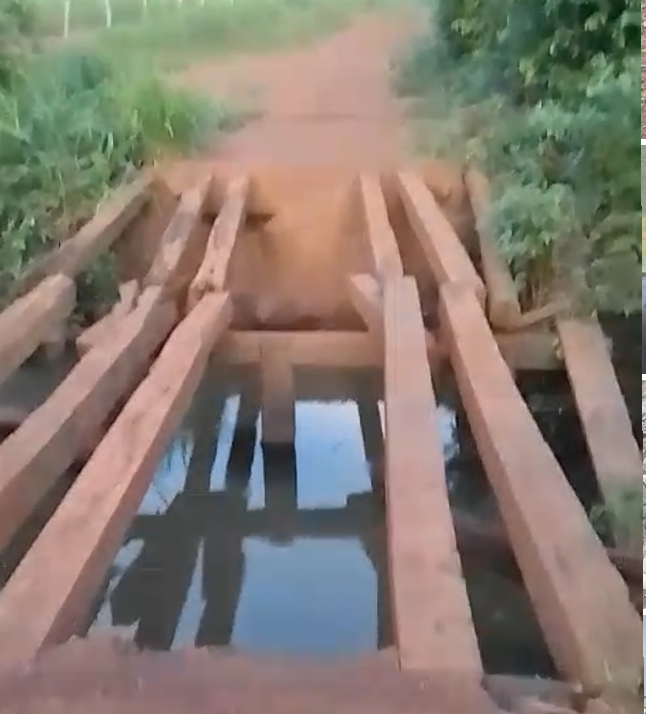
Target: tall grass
[[72, 126]]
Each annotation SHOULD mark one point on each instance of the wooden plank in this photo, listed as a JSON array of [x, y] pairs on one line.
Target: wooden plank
[[593, 632], [433, 625], [615, 454], [28, 321], [76, 547], [381, 237], [445, 255], [277, 388], [175, 264], [503, 307], [306, 348], [212, 273], [77, 253], [47, 442]]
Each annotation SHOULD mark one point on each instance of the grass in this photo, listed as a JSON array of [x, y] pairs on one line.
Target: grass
[[173, 34]]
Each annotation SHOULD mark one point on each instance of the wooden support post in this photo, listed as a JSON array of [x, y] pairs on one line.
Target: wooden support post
[[593, 632], [433, 625], [277, 387], [28, 322], [77, 545], [445, 255], [50, 439]]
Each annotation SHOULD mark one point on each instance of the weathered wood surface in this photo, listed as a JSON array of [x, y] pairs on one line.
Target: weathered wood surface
[[101, 330], [212, 273], [445, 255], [96, 236], [381, 237], [432, 616], [28, 321], [503, 307], [593, 632], [182, 246], [367, 297], [74, 550], [338, 348], [49, 440], [615, 454]]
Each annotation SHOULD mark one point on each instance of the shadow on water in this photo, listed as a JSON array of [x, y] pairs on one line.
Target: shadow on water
[[284, 550], [279, 549]]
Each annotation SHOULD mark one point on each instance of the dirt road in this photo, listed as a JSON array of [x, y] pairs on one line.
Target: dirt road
[[331, 102]]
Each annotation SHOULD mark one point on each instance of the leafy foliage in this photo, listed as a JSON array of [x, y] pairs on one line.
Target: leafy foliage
[[550, 90], [72, 126]]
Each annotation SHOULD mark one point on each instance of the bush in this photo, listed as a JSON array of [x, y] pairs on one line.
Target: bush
[[72, 127], [551, 91]]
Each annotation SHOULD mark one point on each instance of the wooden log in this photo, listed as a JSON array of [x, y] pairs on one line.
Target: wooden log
[[74, 550], [593, 633], [277, 387], [614, 452], [503, 306], [386, 259], [27, 322], [432, 617], [445, 255], [182, 246], [212, 273], [49, 440], [77, 253]]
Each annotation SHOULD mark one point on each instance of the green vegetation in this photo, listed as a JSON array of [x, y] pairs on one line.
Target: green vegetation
[[72, 126], [621, 517], [171, 32], [543, 96]]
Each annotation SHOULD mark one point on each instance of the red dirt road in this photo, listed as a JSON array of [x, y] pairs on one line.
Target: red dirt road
[[328, 103]]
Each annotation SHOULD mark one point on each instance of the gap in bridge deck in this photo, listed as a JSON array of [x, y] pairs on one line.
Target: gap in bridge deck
[[281, 551], [508, 633]]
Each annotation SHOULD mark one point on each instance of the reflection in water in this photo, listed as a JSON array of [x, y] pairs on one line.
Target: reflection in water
[[283, 550], [274, 549]]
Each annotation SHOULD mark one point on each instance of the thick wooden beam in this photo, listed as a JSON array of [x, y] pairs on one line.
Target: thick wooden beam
[[77, 253], [433, 625], [383, 244], [48, 441], [28, 321], [74, 550], [593, 632], [354, 349], [182, 246], [445, 255], [212, 273], [615, 454], [503, 307]]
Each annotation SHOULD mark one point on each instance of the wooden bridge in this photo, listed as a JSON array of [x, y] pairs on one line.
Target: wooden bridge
[[424, 299]]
